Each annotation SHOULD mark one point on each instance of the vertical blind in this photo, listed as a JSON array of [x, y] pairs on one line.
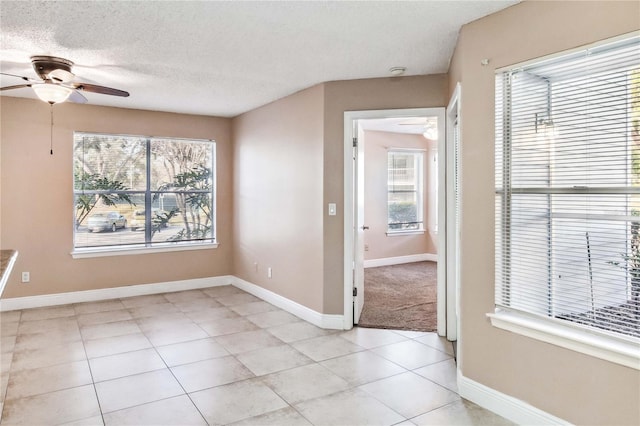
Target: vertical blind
[[568, 188]]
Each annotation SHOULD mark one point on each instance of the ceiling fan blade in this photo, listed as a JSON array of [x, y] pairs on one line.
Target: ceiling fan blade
[[77, 97], [93, 88], [19, 86], [18, 76]]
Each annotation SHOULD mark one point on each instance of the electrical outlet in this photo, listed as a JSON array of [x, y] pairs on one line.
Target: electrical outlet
[[255, 265], [366, 247], [25, 277], [269, 273]]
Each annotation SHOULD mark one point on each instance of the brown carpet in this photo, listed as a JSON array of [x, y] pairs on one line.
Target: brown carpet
[[401, 297]]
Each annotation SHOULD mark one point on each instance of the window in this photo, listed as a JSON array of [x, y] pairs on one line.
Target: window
[[405, 191], [568, 190], [133, 192]]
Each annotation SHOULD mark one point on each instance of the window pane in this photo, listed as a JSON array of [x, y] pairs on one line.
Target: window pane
[[404, 184], [403, 213], [184, 165], [567, 172], [105, 225], [112, 193], [190, 222], [109, 162]]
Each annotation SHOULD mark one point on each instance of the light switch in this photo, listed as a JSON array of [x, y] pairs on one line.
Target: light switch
[[332, 209]]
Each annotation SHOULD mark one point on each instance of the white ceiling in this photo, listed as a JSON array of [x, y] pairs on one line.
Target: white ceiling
[[225, 58], [410, 125]]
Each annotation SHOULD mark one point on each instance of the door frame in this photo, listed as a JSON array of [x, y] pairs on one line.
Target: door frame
[[350, 119], [454, 119]]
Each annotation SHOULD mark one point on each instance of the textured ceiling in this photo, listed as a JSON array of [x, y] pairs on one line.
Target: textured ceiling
[[225, 58]]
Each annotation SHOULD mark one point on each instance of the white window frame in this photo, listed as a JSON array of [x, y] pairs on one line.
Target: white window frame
[[619, 349], [154, 247], [419, 158]]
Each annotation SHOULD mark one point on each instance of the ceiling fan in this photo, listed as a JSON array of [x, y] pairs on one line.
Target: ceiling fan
[[56, 83], [429, 125]]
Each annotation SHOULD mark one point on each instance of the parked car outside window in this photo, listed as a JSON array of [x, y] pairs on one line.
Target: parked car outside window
[[138, 219], [106, 221]]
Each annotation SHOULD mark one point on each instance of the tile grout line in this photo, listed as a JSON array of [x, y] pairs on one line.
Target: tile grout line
[[93, 382], [258, 378], [9, 372]]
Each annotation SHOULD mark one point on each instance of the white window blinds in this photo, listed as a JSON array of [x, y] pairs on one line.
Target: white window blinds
[[568, 188], [405, 190]]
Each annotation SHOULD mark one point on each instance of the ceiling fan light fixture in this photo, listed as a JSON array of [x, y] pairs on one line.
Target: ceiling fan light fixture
[[51, 93], [430, 133], [397, 71]]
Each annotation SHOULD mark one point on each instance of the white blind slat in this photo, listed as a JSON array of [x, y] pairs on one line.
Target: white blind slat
[[568, 188]]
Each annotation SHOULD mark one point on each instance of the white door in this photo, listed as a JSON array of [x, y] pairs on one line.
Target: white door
[[453, 214], [359, 225]]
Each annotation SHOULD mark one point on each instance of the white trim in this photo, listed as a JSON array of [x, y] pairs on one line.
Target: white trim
[[7, 271], [617, 350], [403, 233], [28, 302], [335, 322], [448, 314], [387, 261], [126, 251], [349, 118], [507, 406], [555, 55], [326, 321]]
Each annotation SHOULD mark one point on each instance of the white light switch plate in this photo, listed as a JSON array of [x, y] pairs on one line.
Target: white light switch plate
[[332, 209]]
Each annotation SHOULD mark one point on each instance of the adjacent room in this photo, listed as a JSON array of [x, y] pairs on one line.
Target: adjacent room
[[400, 211], [202, 202]]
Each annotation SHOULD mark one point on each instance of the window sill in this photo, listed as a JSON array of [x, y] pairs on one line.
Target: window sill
[[127, 251], [619, 350], [403, 233]]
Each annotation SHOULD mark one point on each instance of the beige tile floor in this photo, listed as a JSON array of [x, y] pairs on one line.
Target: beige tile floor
[[219, 356]]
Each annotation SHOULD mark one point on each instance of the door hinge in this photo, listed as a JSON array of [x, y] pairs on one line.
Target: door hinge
[[355, 142], [355, 291]]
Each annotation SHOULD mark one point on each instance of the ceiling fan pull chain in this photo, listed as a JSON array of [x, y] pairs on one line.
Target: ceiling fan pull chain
[[51, 140]]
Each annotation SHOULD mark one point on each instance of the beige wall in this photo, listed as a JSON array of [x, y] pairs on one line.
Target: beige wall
[[288, 165], [358, 95], [278, 205], [377, 244], [576, 387], [37, 202]]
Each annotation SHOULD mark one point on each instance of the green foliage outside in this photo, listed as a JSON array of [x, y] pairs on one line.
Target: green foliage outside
[[403, 216], [85, 203], [195, 206]]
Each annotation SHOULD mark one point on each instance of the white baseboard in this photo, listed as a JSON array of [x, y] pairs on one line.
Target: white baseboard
[[334, 322], [321, 320], [28, 302], [387, 261], [507, 406]]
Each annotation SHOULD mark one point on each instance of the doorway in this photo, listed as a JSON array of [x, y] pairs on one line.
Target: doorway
[[430, 124]]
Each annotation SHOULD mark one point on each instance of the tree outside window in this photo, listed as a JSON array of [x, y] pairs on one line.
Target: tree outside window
[[162, 188]]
